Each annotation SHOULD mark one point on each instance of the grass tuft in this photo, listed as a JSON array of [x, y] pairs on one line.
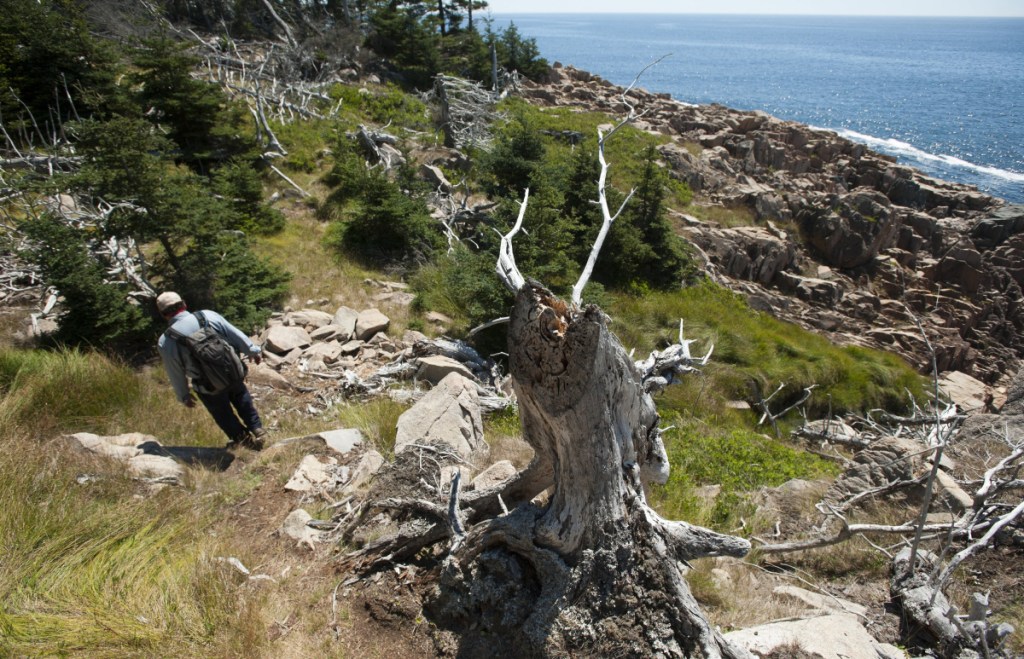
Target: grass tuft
[[94, 569], [377, 419]]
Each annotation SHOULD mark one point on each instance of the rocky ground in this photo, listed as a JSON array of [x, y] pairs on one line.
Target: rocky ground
[[316, 358]]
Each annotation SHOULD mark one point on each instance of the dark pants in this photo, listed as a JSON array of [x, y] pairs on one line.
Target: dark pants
[[223, 406]]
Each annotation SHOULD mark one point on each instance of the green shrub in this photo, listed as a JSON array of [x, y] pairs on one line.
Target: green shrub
[[348, 175], [388, 226], [510, 165], [92, 311], [243, 287], [386, 104], [464, 286], [240, 185]]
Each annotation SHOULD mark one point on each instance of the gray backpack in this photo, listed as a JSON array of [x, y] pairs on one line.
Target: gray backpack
[[217, 360]]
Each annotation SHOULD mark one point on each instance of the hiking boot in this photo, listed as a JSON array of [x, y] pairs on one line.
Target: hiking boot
[[247, 440], [256, 439]]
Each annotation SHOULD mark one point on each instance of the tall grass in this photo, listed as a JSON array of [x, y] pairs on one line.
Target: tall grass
[[711, 442], [752, 347], [49, 393], [93, 569], [378, 421]]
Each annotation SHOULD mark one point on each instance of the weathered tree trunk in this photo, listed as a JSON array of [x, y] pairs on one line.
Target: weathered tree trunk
[[593, 570]]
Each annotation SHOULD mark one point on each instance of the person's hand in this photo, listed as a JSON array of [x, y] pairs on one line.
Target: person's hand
[[190, 402], [257, 358]]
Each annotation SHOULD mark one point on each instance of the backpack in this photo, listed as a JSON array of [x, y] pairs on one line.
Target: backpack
[[216, 359]]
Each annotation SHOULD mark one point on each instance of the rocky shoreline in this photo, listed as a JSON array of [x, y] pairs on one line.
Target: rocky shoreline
[[845, 241]]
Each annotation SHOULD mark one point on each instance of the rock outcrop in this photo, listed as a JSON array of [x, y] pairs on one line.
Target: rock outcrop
[[449, 413]]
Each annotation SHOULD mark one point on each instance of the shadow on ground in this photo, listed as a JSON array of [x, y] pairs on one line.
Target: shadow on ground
[[211, 458]]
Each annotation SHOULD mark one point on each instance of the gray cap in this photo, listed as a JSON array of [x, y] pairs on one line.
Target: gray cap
[[165, 301]]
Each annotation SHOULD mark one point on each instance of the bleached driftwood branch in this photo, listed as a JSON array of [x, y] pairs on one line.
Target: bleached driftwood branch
[[662, 368], [508, 271]]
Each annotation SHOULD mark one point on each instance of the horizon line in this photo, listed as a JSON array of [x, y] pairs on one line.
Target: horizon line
[[737, 13]]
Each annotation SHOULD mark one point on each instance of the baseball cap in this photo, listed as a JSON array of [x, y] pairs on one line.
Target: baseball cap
[[165, 301]]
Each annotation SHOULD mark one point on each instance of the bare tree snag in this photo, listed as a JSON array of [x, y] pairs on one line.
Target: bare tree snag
[[577, 563], [593, 570], [590, 568]]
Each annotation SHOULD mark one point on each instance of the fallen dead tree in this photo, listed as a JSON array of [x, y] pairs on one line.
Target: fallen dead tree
[[907, 457], [467, 111]]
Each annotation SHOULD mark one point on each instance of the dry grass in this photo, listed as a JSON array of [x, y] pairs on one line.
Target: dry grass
[[735, 594], [95, 570], [504, 436], [322, 279], [725, 216], [316, 273], [109, 568], [509, 447]]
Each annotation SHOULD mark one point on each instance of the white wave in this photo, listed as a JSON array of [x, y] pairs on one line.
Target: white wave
[[901, 148]]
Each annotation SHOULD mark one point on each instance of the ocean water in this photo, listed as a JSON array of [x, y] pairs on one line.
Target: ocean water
[[944, 95]]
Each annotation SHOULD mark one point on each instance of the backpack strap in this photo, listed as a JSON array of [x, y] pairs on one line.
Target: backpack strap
[[178, 336]]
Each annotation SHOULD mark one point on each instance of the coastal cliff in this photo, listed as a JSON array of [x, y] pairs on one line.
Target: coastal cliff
[[844, 240]]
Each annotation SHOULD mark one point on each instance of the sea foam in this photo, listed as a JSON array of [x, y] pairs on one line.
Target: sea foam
[[901, 148]]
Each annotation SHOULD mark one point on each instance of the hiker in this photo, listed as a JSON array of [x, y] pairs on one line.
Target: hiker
[[221, 387]]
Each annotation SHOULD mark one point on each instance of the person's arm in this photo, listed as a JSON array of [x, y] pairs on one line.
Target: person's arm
[[175, 369], [233, 335]]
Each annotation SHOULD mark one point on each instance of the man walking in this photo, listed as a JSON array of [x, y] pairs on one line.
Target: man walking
[[230, 403]]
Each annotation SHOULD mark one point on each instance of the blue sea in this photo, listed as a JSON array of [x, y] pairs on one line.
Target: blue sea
[[944, 95]]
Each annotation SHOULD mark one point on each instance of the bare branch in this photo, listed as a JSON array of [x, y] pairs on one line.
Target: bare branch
[[489, 324], [845, 533], [454, 521], [973, 549], [280, 21], [508, 271], [939, 444], [602, 197], [288, 180]]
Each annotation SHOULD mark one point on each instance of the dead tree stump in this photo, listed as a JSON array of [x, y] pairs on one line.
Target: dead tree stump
[[590, 569]]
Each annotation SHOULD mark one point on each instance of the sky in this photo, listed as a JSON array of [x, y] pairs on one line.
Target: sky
[[836, 7]]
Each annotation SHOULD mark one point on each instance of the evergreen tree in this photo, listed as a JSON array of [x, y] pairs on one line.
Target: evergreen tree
[[51, 68], [240, 185], [516, 154], [389, 226], [194, 113], [91, 312], [518, 53], [407, 35], [641, 248], [198, 250], [666, 260]]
